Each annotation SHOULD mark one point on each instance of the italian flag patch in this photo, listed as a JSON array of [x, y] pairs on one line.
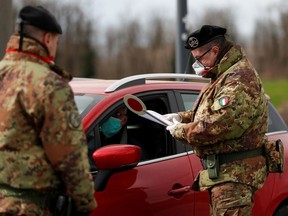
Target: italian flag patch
[[224, 101]]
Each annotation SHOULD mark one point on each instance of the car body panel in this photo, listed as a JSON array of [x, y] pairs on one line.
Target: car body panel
[[274, 190], [145, 189]]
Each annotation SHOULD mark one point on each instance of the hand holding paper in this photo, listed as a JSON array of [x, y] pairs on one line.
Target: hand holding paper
[[173, 127], [171, 116]]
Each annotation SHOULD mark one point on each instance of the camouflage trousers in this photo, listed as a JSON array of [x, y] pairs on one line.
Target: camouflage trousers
[[231, 199]]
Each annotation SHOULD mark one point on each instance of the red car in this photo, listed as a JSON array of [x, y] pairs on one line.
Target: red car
[[150, 173]]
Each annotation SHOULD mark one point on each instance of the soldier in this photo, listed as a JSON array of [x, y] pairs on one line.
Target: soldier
[[227, 124], [43, 149]]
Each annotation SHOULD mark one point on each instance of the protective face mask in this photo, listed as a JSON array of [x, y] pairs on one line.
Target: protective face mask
[[199, 68], [111, 127]]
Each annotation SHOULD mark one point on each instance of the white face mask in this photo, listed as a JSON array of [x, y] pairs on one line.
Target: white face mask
[[199, 68]]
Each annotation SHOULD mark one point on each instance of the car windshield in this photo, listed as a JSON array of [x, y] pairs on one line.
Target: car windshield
[[85, 102]]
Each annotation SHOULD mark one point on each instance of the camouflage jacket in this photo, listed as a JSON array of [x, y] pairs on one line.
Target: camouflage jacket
[[229, 115], [42, 142]]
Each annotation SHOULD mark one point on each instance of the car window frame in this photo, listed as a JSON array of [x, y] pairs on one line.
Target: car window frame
[[181, 107]]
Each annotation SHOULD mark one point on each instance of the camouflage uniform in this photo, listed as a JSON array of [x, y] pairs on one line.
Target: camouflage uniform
[[230, 115], [42, 144]]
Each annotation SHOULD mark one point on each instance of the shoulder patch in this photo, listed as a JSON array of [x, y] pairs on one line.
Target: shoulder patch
[[74, 120], [224, 101]]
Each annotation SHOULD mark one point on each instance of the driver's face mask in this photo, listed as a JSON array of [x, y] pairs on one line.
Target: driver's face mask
[[199, 68], [111, 126]]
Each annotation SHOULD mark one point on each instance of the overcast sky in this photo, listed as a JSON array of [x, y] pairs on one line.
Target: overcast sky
[[109, 12]]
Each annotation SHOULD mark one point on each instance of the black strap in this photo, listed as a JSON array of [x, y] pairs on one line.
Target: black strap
[[230, 157], [226, 158], [21, 32], [43, 199]]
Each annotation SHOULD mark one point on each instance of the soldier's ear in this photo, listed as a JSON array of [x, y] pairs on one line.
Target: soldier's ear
[[47, 39], [215, 50], [50, 41]]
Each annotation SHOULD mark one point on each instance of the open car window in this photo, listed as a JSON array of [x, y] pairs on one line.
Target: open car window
[[153, 138]]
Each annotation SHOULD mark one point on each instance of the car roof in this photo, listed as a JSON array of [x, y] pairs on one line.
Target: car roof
[[106, 86]]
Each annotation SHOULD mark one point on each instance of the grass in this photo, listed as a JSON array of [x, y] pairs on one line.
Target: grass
[[277, 90]]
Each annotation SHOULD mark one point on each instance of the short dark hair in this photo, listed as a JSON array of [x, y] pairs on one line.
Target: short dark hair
[[29, 30]]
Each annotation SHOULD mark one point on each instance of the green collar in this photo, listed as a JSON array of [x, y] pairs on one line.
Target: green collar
[[234, 55]]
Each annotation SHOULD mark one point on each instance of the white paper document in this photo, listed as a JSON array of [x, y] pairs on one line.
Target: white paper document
[[156, 117]]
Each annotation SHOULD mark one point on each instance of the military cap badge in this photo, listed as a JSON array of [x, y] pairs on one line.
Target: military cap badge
[[193, 42]]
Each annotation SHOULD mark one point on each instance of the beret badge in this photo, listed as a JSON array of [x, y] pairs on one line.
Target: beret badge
[[193, 42]]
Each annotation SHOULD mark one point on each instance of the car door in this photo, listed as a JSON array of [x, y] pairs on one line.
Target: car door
[[160, 184]]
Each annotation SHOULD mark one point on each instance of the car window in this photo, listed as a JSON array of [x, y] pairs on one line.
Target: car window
[[153, 138], [157, 140], [189, 100], [275, 123], [85, 102]]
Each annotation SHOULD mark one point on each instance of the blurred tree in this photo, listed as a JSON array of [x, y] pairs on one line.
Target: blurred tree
[[131, 50], [89, 58], [258, 45], [269, 48], [133, 47], [76, 52], [222, 17], [156, 38], [270, 43], [160, 45], [283, 46]]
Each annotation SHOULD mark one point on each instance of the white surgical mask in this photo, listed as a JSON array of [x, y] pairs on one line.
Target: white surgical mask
[[199, 68]]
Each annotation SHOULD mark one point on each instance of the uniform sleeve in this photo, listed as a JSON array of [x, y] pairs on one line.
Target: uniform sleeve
[[65, 145], [230, 115], [186, 116]]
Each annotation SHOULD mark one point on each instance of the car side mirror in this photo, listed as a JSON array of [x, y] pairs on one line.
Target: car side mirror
[[114, 158]]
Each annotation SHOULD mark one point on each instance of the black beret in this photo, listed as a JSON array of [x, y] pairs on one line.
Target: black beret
[[39, 17], [204, 35]]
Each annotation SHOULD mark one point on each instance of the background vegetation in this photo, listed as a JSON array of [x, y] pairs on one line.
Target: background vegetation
[[132, 48], [277, 90]]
